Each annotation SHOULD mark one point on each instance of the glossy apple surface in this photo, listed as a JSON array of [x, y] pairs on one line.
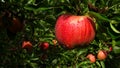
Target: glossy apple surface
[[44, 45], [27, 45], [72, 31], [91, 57], [102, 55]]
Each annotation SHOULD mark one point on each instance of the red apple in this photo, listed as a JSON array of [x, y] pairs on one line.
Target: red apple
[[72, 31], [27, 45], [91, 57], [44, 45], [54, 42], [102, 54], [110, 48], [16, 25]]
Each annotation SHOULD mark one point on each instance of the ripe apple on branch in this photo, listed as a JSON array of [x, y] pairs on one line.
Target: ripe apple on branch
[[73, 31]]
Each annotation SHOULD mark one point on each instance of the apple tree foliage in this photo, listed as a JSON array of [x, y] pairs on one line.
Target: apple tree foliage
[[39, 18]]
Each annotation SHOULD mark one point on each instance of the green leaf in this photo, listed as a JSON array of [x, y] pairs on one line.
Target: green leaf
[[29, 8], [35, 9], [31, 1], [112, 36], [98, 64], [118, 43], [116, 49], [83, 63], [54, 61], [34, 65], [98, 16], [34, 59], [116, 18], [102, 64], [114, 29], [82, 51]]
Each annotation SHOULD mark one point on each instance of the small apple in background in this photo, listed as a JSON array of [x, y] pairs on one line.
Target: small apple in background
[[110, 48], [72, 31], [16, 25], [91, 57], [27, 45], [102, 55], [44, 45], [54, 42]]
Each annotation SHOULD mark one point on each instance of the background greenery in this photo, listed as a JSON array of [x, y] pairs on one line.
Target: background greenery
[[39, 18]]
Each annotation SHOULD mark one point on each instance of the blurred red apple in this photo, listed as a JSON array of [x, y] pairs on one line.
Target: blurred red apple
[[102, 54], [91, 57], [27, 45], [110, 48], [44, 45], [16, 26], [72, 31]]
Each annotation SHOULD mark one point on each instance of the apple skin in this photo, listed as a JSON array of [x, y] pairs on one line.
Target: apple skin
[[27, 45], [102, 54], [91, 57], [73, 31], [110, 48], [44, 45]]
